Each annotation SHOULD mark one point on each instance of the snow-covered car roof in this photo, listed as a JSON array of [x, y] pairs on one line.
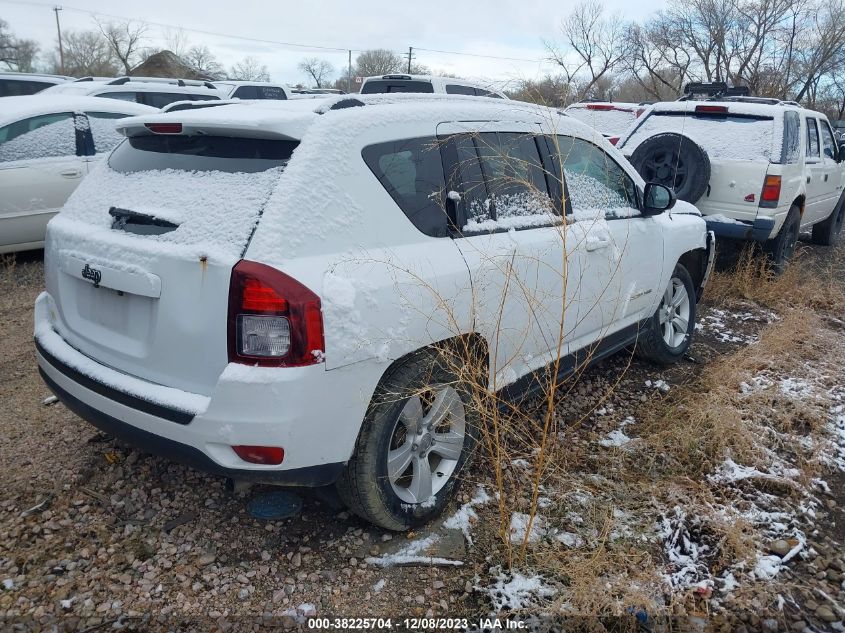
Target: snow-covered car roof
[[290, 119], [17, 108], [91, 87]]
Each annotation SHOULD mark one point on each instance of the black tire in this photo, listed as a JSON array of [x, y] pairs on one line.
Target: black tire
[[675, 161], [652, 344], [826, 233], [779, 249], [364, 486]]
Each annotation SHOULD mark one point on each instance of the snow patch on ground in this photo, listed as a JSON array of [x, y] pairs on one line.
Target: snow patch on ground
[[466, 517], [413, 553], [514, 591]]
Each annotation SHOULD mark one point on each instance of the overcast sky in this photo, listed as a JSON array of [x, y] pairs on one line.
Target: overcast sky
[[503, 28]]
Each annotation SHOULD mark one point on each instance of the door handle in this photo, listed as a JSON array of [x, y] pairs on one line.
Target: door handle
[[825, 177], [809, 178], [596, 243], [71, 173]]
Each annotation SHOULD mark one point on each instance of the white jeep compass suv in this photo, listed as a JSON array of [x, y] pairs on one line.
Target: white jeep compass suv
[[279, 292]]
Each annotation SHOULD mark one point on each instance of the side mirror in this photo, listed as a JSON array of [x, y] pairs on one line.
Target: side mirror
[[841, 155], [657, 198]]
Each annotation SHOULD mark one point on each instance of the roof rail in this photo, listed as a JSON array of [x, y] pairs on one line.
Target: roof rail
[[713, 90], [162, 80]]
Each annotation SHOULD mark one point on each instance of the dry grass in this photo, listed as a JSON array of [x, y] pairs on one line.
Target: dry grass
[[683, 437], [808, 282]]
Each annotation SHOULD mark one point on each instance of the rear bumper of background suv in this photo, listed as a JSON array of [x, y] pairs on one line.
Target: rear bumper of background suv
[[250, 406], [759, 231]]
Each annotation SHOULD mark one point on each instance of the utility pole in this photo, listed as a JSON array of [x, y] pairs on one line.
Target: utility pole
[[59, 30], [349, 74], [410, 57]]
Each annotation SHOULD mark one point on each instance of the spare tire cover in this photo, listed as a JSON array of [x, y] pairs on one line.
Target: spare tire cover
[[676, 161]]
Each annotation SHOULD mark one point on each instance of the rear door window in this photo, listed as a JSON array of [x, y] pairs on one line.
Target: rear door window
[[453, 89], [121, 96], [45, 136], [596, 186], [812, 139], [161, 99], [411, 171], [791, 137]]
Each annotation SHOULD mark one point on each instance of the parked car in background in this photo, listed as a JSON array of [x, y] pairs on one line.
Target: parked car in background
[[758, 169], [152, 91], [247, 261], [252, 90], [610, 119], [47, 146], [427, 83], [19, 84]]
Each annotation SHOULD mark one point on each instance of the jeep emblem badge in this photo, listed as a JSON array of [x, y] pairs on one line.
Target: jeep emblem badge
[[93, 274]]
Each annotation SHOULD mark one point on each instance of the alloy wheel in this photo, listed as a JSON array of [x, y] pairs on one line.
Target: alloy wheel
[[426, 444], [674, 313]]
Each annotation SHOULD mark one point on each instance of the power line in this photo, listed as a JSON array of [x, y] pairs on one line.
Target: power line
[[245, 38], [95, 14], [512, 59]]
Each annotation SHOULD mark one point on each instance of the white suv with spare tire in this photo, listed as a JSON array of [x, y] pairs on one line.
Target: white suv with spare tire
[[758, 169], [313, 294]]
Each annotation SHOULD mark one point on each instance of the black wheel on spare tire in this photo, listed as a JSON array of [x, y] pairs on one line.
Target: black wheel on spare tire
[[668, 333], [675, 161], [827, 232], [416, 440], [780, 248]]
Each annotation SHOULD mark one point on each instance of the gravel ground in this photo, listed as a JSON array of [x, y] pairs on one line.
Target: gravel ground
[[92, 531]]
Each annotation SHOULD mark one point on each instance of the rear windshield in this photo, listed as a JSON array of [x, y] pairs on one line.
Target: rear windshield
[[259, 92], [731, 137], [396, 85], [200, 153], [608, 122]]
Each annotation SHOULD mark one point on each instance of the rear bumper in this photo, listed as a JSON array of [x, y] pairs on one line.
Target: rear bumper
[[322, 475], [759, 231], [313, 414]]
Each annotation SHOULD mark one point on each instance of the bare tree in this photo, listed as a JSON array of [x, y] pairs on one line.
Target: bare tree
[[176, 41], [378, 61], [86, 53], [318, 69], [249, 69], [125, 40], [204, 62], [594, 45], [16, 54]]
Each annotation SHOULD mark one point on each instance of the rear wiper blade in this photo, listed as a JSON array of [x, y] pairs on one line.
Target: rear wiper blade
[[140, 223]]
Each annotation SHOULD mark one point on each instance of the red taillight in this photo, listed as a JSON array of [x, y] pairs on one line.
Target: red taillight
[[269, 455], [260, 298], [711, 109], [274, 321], [164, 128], [639, 112], [613, 140], [771, 189], [599, 106]]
